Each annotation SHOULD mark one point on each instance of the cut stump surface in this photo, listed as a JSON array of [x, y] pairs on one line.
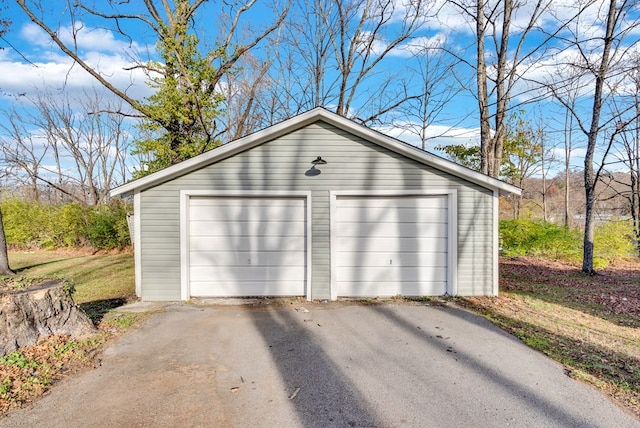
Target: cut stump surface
[[27, 315]]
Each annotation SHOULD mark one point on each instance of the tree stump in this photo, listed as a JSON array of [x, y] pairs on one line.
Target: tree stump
[[30, 314]]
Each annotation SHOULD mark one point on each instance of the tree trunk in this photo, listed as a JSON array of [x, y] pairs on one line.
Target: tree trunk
[[30, 314], [590, 177], [632, 147], [544, 182], [483, 101], [4, 256], [567, 220], [589, 228]]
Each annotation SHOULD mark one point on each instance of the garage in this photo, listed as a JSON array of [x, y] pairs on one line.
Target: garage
[[391, 245], [246, 246], [315, 206]]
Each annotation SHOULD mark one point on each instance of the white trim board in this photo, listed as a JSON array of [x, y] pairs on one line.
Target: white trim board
[[137, 242]]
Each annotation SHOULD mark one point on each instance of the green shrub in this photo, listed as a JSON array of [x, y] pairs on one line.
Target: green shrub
[[71, 222], [34, 224], [613, 240], [539, 238], [108, 226], [25, 224]]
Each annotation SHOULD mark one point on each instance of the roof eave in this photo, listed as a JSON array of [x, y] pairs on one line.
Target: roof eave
[[422, 156]]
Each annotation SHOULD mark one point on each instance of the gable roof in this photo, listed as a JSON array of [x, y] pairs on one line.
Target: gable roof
[[298, 122]]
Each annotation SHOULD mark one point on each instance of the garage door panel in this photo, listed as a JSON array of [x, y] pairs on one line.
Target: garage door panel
[[246, 243], [386, 230], [392, 201], [246, 213], [243, 258], [399, 274], [383, 258], [391, 244], [248, 273], [237, 288], [245, 201], [247, 246], [389, 289], [248, 228], [390, 214]]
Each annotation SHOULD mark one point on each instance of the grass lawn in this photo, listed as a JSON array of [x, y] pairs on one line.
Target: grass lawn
[[590, 324], [102, 281]]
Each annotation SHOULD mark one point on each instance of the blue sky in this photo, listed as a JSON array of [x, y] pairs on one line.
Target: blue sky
[[37, 64]]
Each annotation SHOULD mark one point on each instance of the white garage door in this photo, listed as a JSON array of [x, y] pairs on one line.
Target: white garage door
[[386, 246], [247, 246]]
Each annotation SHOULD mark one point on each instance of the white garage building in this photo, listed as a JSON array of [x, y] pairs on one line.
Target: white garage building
[[316, 206]]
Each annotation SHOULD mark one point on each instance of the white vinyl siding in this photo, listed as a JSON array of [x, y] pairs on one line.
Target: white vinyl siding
[[247, 246], [391, 245]]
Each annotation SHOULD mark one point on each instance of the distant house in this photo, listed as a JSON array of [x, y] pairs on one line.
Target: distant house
[[316, 206]]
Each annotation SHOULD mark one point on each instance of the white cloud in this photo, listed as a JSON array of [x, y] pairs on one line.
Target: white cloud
[[22, 78], [95, 39], [35, 35], [86, 38], [576, 158], [419, 45], [99, 49], [437, 135]]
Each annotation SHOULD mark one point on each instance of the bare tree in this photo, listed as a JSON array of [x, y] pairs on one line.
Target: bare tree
[[547, 159], [603, 61], [21, 152], [629, 150], [249, 91], [572, 94], [437, 88], [502, 57], [73, 146], [333, 49]]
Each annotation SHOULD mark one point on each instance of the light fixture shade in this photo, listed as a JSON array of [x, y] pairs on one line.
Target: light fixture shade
[[319, 161]]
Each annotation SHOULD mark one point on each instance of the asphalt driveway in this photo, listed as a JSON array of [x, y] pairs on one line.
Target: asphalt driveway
[[314, 365]]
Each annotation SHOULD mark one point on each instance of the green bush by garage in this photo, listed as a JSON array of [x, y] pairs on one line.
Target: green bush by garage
[[38, 225]]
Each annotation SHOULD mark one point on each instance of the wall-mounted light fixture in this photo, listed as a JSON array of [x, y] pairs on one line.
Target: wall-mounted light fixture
[[319, 161]]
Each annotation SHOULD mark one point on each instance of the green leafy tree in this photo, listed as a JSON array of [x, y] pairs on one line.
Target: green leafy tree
[[521, 153], [522, 150], [182, 111], [465, 155]]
